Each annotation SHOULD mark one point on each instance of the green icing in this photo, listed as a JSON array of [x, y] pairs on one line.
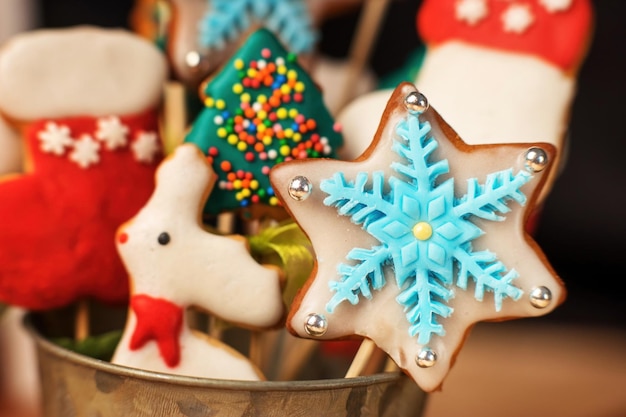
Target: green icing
[[261, 109]]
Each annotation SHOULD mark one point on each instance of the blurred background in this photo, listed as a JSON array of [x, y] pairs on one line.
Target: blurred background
[[583, 226]]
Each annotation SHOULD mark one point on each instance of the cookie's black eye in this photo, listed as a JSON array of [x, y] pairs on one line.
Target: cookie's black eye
[[164, 238]]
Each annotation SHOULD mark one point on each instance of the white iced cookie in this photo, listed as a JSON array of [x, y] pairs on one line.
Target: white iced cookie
[[84, 103], [174, 263], [419, 238]]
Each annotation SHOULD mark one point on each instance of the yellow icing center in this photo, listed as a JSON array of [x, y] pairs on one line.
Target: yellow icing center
[[422, 231]]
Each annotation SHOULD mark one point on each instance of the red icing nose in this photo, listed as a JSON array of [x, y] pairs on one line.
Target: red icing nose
[[122, 237]]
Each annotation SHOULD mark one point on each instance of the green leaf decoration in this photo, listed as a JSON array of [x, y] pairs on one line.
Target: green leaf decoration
[[98, 347], [286, 246]]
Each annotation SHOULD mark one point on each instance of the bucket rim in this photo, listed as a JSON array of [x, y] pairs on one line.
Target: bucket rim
[[222, 384]]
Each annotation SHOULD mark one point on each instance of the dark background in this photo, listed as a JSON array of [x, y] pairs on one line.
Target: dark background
[[583, 225]]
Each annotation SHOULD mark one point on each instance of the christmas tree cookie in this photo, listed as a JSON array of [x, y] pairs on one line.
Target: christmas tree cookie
[[86, 101], [432, 238], [261, 109]]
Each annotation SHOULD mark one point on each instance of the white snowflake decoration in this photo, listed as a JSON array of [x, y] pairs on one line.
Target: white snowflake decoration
[[55, 139], [145, 147], [112, 132], [86, 151], [554, 6], [517, 18], [471, 11]]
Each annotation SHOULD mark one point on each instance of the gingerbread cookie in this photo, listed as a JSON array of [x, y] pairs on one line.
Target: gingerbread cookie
[[262, 108], [499, 71], [419, 238], [204, 34], [86, 103], [174, 263]]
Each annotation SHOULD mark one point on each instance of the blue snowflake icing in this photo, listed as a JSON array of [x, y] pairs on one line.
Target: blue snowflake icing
[[226, 20], [425, 232]]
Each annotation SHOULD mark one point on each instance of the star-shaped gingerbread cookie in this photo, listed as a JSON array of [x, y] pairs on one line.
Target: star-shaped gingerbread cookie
[[419, 238]]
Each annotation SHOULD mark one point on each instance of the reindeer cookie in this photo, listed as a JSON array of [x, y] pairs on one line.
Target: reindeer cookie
[[174, 263], [85, 102], [419, 238], [499, 71]]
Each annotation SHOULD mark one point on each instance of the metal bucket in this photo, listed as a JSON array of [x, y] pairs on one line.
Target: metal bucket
[[76, 385]]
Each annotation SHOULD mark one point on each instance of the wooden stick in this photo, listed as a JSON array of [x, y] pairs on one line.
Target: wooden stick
[[174, 115], [370, 22], [81, 320], [390, 366], [225, 223], [295, 353], [361, 359]]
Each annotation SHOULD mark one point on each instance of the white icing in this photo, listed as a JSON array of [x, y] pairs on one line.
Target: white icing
[[243, 292], [382, 318], [200, 357], [112, 132], [52, 73], [499, 97], [85, 151], [145, 147], [554, 6], [517, 18], [196, 268], [471, 11], [55, 139]]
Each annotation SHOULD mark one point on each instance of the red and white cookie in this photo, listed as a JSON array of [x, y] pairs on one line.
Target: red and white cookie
[[174, 263], [499, 71], [85, 101], [419, 238]]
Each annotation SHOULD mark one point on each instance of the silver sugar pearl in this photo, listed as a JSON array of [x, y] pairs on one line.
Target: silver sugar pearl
[[315, 325], [540, 297], [416, 102], [426, 358], [300, 188], [536, 159], [193, 59]]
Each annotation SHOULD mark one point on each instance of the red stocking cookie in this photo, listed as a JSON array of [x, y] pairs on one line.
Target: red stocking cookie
[[419, 238], [86, 101]]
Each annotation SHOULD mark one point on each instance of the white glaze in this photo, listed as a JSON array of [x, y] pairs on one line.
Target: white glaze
[[88, 71]]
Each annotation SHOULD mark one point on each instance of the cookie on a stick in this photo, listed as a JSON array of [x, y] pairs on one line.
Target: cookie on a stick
[[419, 238]]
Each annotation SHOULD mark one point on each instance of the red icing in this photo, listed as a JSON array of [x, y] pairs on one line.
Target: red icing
[[559, 37], [158, 320], [57, 234], [122, 237]]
